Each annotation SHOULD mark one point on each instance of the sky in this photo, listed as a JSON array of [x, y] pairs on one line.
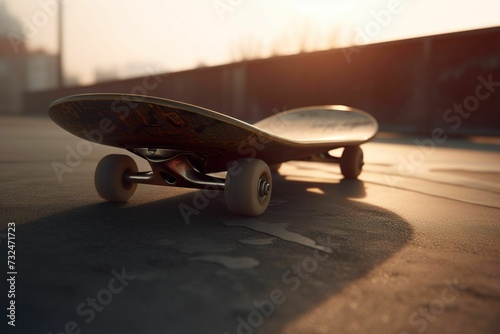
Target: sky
[[127, 38]]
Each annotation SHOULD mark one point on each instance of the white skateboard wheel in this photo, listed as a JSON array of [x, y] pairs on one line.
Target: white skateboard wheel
[[109, 177], [351, 162], [248, 187]]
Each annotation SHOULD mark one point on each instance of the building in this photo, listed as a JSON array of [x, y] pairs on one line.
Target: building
[[12, 64], [21, 71]]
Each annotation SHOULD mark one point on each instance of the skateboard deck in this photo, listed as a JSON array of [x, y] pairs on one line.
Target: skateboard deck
[[162, 130], [147, 122]]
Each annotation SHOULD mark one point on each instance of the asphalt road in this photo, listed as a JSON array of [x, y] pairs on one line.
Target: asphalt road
[[411, 247]]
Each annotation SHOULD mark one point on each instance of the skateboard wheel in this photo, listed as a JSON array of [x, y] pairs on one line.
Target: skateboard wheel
[[351, 162], [248, 187], [109, 177]]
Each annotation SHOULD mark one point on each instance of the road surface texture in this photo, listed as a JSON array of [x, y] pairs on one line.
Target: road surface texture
[[413, 246]]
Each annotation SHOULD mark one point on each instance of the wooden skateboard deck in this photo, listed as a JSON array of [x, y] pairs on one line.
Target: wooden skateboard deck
[[184, 143], [147, 122]]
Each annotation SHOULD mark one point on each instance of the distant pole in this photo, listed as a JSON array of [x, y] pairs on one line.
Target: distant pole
[[60, 70]]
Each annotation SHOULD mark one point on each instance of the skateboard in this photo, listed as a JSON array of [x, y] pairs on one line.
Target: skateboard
[[185, 144]]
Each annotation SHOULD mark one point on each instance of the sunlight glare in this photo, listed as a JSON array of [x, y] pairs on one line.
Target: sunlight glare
[[323, 9]]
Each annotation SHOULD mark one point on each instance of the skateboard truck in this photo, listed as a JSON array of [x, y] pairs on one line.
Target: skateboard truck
[[247, 188], [176, 168], [172, 168]]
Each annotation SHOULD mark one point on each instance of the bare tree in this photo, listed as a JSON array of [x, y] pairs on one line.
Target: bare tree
[[246, 48], [299, 37], [303, 37]]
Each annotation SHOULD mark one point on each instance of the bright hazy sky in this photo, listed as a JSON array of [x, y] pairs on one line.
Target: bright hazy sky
[[130, 37]]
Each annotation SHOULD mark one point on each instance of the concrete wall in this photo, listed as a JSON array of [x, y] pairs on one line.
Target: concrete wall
[[414, 85]]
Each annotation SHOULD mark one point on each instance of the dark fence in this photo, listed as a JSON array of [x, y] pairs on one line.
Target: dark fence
[[449, 82]]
